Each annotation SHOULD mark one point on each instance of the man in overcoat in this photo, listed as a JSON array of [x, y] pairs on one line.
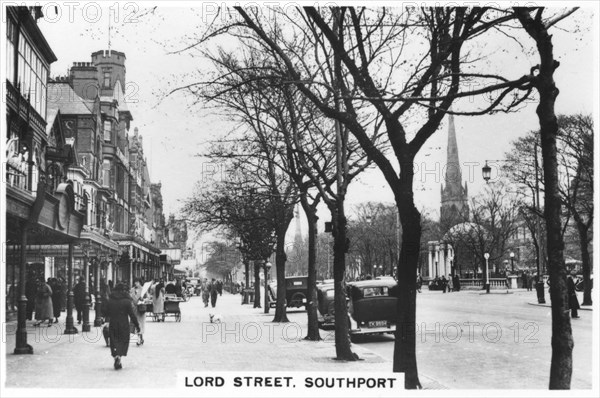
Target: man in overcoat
[[573, 302], [121, 313]]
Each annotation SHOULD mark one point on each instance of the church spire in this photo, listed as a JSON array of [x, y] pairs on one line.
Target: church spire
[[453, 174], [455, 205]]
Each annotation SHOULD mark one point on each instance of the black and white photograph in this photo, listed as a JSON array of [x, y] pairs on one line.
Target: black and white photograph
[[299, 199]]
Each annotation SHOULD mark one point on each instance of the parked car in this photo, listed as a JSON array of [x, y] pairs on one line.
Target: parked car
[[372, 306], [326, 311], [296, 290]]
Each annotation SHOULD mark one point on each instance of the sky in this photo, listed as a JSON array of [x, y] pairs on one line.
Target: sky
[[174, 131]]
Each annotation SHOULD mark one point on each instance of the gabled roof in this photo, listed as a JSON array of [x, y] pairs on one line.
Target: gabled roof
[[62, 96], [118, 96], [51, 115]]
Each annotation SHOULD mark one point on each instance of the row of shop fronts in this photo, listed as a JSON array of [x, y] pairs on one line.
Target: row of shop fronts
[[69, 214]]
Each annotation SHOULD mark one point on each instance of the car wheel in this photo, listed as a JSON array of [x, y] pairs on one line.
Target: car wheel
[[297, 300], [356, 338]]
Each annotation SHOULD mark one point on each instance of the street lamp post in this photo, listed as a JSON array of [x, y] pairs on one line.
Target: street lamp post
[[512, 262], [257, 284], [267, 270], [86, 308], [487, 173], [98, 317], [487, 275], [69, 325]]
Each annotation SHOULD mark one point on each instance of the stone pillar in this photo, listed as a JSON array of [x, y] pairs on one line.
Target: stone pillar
[[430, 260]]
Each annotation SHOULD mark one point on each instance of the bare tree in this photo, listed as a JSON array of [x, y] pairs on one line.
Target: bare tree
[[538, 27], [575, 172], [369, 50]]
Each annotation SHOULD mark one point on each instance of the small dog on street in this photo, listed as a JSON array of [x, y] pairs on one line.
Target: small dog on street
[[215, 318]]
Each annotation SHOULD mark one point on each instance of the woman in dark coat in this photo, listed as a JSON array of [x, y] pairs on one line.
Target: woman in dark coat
[[56, 298], [43, 304], [573, 302], [120, 311]]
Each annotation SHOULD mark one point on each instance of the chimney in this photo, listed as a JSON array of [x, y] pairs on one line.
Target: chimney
[[84, 80]]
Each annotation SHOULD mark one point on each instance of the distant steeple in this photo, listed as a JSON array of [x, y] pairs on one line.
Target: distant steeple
[[455, 206], [298, 234]]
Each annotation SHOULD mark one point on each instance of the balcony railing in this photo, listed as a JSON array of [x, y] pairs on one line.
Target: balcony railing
[[21, 105], [16, 178]]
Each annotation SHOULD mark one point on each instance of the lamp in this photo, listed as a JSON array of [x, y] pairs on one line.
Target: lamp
[[512, 262], [487, 172], [487, 275]]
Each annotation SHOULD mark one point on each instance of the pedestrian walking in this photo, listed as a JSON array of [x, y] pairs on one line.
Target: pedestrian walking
[[138, 298], [444, 283], [158, 301], [214, 293], [121, 313], [529, 282], [178, 289], [79, 298], [205, 292], [419, 282], [573, 302], [220, 287], [56, 297], [456, 283], [43, 304]]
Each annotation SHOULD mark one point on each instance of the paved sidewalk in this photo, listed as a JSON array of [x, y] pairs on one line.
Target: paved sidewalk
[[247, 340], [548, 302]]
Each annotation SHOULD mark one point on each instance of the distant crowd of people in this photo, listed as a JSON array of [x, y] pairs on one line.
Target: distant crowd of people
[[450, 284]]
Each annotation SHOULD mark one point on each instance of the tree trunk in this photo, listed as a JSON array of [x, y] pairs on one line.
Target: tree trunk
[[585, 263], [405, 358], [342, 324], [311, 308], [562, 337], [280, 260], [256, 284]]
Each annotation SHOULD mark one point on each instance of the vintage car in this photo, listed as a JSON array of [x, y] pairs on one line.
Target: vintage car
[[371, 306], [194, 286], [325, 299], [296, 290]]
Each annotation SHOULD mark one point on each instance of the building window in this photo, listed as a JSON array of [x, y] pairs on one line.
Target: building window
[[106, 79], [32, 76], [10, 51], [106, 173], [107, 130]]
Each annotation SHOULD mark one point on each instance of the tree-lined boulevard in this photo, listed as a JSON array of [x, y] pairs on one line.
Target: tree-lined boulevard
[[483, 291]]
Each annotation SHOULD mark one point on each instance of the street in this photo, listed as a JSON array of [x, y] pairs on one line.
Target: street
[[503, 341], [247, 340]]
